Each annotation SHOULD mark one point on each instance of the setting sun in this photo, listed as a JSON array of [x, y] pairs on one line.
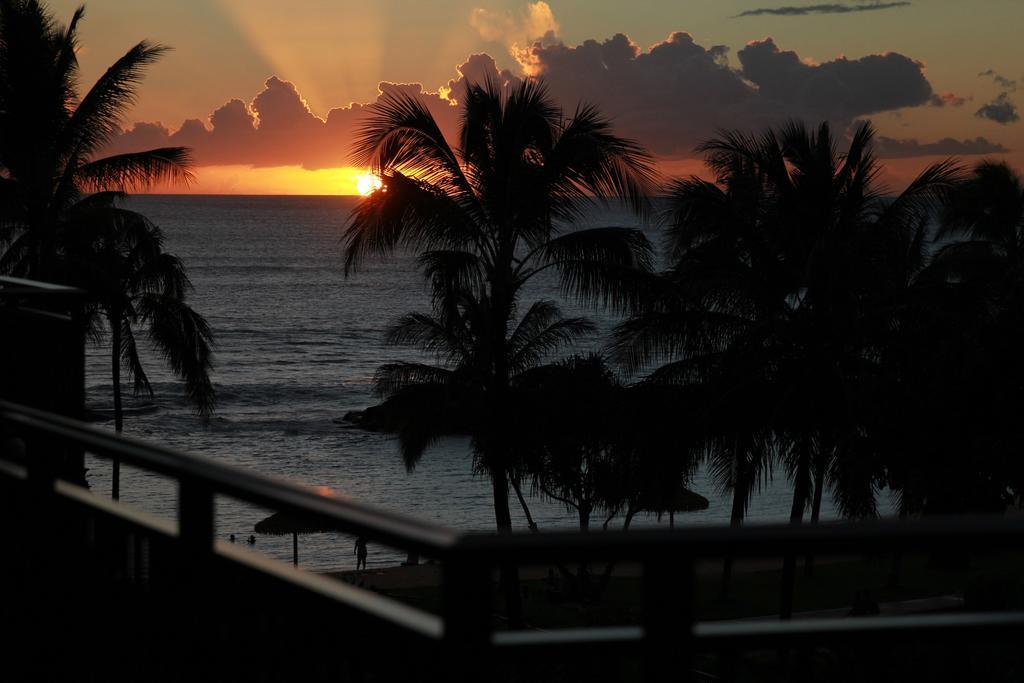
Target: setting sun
[[368, 183]]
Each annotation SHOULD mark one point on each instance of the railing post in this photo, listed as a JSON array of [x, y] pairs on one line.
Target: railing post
[[468, 623], [195, 518], [668, 616], [194, 591]]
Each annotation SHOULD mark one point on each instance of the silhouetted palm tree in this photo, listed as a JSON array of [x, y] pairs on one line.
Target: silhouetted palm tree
[[133, 283], [786, 273], [595, 445], [52, 135], [985, 217], [486, 217], [786, 263], [955, 361]]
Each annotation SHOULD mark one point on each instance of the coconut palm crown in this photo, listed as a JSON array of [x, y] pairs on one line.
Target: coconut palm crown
[[53, 136], [485, 216], [60, 213]]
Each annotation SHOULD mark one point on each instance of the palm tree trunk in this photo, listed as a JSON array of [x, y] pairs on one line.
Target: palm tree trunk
[[801, 486], [606, 577], [739, 492], [115, 372], [896, 569], [526, 508], [796, 517], [584, 510], [509, 572], [735, 520], [819, 486]]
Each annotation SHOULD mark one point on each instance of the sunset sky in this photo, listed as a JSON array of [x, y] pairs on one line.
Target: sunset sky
[[268, 92]]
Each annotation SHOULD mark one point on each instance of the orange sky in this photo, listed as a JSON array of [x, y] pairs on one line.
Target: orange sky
[[331, 55]]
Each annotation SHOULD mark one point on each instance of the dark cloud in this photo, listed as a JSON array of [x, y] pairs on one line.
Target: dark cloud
[[902, 149], [1005, 82], [1001, 110], [830, 8], [669, 97], [837, 90], [1000, 80]]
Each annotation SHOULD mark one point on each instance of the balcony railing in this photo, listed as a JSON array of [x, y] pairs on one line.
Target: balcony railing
[[125, 550]]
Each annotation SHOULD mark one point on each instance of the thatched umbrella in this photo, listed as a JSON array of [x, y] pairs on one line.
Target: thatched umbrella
[[282, 523], [681, 500]]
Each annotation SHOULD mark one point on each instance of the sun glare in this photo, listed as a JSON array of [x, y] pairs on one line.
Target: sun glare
[[368, 183]]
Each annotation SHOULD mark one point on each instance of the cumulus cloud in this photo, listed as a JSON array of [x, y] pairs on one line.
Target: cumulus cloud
[[829, 8], [902, 149], [835, 90], [536, 22], [277, 128], [669, 97], [1002, 110]]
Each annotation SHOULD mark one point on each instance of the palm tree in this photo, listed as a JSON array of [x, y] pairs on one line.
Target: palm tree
[[52, 135], [133, 283], [787, 268], [485, 216], [58, 212], [575, 411], [956, 360], [985, 218]]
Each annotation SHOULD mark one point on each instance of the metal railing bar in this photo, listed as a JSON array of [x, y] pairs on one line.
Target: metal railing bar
[[710, 634], [13, 470], [715, 634], [969, 533], [36, 286], [568, 636], [113, 508], [372, 604], [357, 518]]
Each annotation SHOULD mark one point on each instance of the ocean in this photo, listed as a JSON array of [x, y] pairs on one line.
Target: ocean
[[297, 344]]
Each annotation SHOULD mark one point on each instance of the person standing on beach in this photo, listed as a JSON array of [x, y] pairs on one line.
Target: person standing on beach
[[360, 553]]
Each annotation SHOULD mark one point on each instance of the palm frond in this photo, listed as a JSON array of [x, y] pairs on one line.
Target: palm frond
[[98, 116], [184, 339], [391, 378], [445, 339], [406, 211], [131, 362], [450, 271], [589, 161], [401, 136], [541, 332], [136, 171]]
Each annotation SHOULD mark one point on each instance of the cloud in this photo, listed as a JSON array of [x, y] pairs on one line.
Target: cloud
[[278, 128], [830, 8], [904, 149], [1002, 110], [947, 98], [669, 97], [536, 22], [1002, 81], [837, 90]]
